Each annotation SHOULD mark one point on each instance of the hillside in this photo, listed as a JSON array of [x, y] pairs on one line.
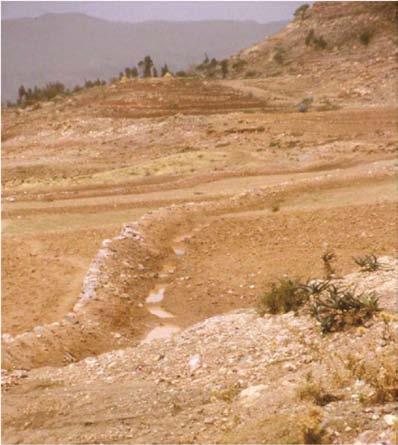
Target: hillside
[[333, 49], [83, 47], [196, 260]]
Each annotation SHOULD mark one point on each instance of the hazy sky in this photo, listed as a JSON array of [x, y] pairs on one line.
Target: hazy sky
[[132, 11]]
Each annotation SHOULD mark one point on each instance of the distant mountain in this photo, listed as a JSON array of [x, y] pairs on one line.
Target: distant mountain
[[72, 48]]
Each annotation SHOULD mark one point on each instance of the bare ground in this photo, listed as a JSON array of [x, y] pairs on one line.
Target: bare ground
[[73, 173]]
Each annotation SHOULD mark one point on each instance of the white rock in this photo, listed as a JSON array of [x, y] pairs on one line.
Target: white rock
[[390, 419], [251, 393], [195, 362]]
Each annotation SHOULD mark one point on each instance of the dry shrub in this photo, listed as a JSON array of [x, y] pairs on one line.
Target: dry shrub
[[284, 296], [380, 373], [376, 367], [314, 391], [327, 258]]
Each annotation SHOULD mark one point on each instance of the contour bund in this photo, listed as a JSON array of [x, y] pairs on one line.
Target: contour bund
[[112, 297]]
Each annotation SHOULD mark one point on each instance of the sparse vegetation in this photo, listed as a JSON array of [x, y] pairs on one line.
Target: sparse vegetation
[[284, 296], [275, 144], [309, 37], [251, 73], [129, 72], [316, 287], [337, 308], [327, 258], [314, 391], [305, 104], [318, 42], [327, 105], [281, 427], [301, 10], [51, 90], [378, 369], [313, 434], [231, 173], [368, 263], [224, 68], [279, 55], [275, 207], [365, 37], [164, 70], [227, 393], [239, 64], [381, 375], [212, 68], [203, 66]]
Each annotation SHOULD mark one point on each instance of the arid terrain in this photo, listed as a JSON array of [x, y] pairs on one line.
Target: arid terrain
[[142, 222]]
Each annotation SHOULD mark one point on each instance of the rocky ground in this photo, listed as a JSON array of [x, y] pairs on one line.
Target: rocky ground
[[233, 378]]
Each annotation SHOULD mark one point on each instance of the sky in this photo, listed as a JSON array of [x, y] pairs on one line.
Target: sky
[[138, 11]]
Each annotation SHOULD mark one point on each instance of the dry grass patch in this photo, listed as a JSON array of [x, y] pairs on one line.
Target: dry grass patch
[[281, 428], [314, 391]]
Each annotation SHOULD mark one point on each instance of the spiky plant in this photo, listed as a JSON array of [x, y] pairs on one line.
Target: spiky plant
[[368, 263], [316, 287], [337, 308]]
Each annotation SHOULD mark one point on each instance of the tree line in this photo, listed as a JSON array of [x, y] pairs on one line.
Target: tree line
[[144, 69], [213, 68]]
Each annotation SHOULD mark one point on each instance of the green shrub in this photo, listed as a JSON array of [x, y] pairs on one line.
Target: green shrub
[[337, 308], [284, 296], [368, 263], [316, 287]]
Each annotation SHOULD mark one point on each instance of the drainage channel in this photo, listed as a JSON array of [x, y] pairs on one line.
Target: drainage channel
[[164, 330], [157, 295]]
